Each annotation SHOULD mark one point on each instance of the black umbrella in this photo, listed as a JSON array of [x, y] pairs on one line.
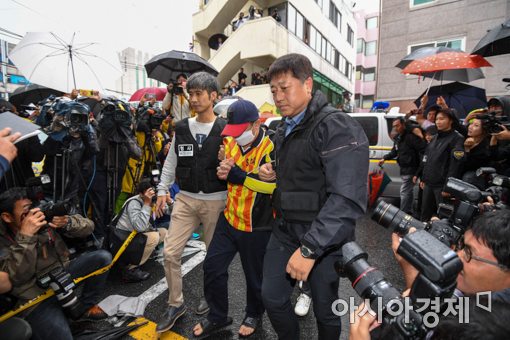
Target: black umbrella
[[214, 41], [422, 53], [167, 66], [462, 97], [32, 93], [495, 42]]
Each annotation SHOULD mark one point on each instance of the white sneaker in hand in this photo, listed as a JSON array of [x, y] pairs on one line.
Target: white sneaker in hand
[[302, 305]]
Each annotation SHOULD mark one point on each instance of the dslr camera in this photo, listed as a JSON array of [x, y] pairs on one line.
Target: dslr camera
[[438, 268], [150, 119], [456, 218], [50, 209], [63, 285]]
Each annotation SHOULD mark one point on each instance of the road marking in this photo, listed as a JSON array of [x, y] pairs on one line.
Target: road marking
[[193, 246]]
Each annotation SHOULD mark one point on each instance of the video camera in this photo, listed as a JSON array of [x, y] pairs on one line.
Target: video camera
[[438, 266], [492, 122], [177, 89], [63, 285], [114, 121], [150, 119]]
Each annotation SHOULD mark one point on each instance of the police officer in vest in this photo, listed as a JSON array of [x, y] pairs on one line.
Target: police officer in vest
[[321, 189], [191, 161]]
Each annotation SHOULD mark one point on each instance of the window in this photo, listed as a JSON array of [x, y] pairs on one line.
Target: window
[[369, 74], [337, 59], [334, 15], [371, 23], [319, 2], [420, 2], [347, 70], [292, 19], [360, 47], [357, 100], [350, 35], [367, 102], [299, 25], [359, 72], [318, 44], [323, 50], [370, 48], [458, 43], [371, 127], [313, 34]]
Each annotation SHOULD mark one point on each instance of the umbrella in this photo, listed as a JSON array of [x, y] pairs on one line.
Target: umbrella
[[167, 66], [445, 61], [462, 97], [32, 93], [214, 41], [495, 42], [422, 53], [66, 62], [377, 182], [158, 92]]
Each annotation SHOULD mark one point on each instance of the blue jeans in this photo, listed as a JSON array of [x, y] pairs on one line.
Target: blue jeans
[[406, 194], [48, 320]]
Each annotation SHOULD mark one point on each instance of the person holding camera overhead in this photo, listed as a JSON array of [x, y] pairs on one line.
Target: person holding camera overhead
[[38, 257], [136, 214], [176, 102]]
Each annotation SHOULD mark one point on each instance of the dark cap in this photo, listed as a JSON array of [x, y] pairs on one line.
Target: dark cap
[[239, 115]]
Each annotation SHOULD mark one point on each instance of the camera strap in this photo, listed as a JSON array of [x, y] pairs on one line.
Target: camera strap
[[49, 293]]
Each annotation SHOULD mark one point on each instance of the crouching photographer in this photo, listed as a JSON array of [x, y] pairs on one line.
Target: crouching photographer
[[136, 214], [38, 259]]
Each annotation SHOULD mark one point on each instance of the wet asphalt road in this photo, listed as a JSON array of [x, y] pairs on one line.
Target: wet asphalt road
[[374, 239]]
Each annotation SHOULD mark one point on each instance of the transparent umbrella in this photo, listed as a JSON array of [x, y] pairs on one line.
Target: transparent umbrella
[[65, 62]]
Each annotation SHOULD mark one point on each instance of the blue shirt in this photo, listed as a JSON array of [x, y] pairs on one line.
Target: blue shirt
[[292, 122]]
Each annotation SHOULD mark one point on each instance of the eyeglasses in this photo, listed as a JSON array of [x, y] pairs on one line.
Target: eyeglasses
[[468, 255]]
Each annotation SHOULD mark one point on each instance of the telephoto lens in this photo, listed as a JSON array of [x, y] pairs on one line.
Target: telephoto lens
[[391, 217]]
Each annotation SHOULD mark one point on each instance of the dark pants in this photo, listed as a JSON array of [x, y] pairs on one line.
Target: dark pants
[[430, 202], [226, 242], [48, 320], [277, 287]]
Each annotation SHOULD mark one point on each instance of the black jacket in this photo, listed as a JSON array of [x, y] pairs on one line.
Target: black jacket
[[321, 185], [443, 158], [408, 150], [478, 156]]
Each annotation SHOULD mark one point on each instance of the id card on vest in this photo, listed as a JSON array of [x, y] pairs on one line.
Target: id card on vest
[[185, 150]]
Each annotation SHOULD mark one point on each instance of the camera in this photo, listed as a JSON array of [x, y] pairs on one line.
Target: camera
[[50, 209], [456, 217], [150, 119], [63, 285], [177, 89], [492, 122], [154, 183], [438, 268]]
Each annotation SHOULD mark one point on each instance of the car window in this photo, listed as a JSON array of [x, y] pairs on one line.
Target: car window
[[371, 127], [389, 125]]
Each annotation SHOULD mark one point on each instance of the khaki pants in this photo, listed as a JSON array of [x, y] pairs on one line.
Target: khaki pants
[[187, 214], [153, 239]]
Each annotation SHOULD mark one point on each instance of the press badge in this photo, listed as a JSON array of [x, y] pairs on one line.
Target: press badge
[[185, 150]]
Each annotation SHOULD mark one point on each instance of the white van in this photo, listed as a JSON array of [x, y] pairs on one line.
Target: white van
[[377, 126]]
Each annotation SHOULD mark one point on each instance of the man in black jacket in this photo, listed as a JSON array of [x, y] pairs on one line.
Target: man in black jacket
[[321, 189], [407, 149], [443, 159]]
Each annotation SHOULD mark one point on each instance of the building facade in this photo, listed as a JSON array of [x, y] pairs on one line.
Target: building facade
[[367, 44], [10, 77], [407, 25], [323, 30]]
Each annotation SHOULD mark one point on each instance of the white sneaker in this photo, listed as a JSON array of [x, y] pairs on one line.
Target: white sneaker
[[302, 305]]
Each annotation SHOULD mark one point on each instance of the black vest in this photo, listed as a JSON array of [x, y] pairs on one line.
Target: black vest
[[301, 184], [196, 166]]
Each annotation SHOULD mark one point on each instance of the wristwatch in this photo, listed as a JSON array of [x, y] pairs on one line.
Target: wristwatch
[[307, 253]]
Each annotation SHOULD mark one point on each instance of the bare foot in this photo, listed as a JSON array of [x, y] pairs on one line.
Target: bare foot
[[197, 330], [246, 331]]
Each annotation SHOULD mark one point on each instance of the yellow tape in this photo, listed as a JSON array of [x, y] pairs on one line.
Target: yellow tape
[[381, 148], [49, 293]]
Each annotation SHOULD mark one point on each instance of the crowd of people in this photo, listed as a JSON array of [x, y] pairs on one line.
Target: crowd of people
[[285, 200]]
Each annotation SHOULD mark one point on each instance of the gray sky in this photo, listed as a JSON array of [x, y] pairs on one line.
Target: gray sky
[[153, 26]]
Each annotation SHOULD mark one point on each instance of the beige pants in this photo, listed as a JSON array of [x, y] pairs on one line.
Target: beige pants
[[153, 239], [187, 214]]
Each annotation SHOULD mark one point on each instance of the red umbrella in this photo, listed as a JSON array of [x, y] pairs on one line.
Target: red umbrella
[[159, 92], [445, 61]]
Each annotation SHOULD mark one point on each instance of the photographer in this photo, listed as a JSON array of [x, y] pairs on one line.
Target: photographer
[[478, 152], [136, 214], [408, 149], [36, 252], [176, 101]]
